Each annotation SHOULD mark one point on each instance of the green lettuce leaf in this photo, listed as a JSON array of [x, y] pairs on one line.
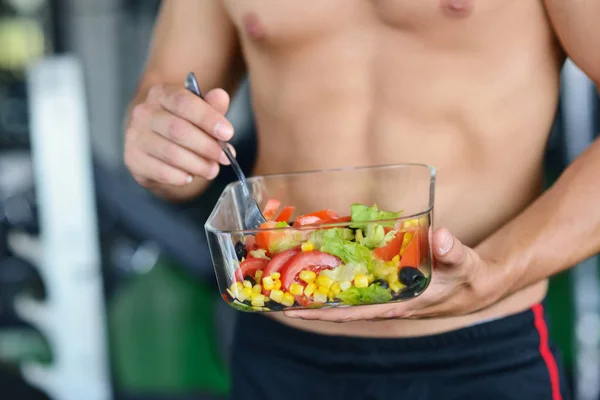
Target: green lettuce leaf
[[374, 236], [360, 214], [349, 252], [372, 294], [317, 237]]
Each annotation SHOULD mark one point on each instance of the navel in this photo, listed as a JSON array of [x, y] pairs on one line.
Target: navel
[[253, 26], [459, 8]]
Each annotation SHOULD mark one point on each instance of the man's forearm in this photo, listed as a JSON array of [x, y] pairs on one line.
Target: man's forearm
[[560, 229]]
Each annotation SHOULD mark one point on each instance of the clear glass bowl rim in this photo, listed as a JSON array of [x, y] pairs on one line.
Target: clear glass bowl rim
[[231, 186]]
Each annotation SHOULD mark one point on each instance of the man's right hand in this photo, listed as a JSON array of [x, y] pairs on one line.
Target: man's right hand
[[171, 142]]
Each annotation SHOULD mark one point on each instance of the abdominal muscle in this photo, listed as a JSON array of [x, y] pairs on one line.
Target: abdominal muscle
[[482, 120]]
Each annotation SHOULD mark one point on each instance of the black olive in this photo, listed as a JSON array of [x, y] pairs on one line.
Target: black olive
[[411, 276], [240, 250], [247, 302], [229, 298], [273, 305], [250, 279], [382, 283]]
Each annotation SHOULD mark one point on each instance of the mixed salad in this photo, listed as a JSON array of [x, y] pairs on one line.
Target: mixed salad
[[367, 257]]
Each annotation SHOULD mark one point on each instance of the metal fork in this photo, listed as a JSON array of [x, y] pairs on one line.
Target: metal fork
[[253, 217]]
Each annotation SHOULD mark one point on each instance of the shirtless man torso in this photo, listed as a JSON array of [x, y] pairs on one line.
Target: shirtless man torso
[[470, 87]]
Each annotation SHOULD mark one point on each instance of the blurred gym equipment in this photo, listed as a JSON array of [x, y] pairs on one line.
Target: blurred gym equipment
[[72, 318], [580, 129]]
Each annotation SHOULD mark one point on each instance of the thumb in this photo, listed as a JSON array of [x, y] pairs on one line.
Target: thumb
[[447, 248], [218, 99]]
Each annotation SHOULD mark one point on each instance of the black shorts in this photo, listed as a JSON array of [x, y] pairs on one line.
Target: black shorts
[[504, 359]]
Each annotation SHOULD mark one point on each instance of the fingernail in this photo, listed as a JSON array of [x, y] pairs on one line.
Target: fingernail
[[189, 179], [214, 171], [223, 159], [447, 241], [232, 150], [223, 130]]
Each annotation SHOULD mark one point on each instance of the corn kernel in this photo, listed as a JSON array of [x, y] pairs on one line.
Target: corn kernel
[[320, 298], [405, 241], [257, 288], [335, 289], [236, 288], [258, 275], [256, 296], [307, 246], [296, 289], [231, 294], [396, 259], [242, 296], [248, 292], [288, 299], [275, 275], [307, 276], [345, 285], [276, 295], [268, 283], [258, 303], [411, 223], [361, 281], [324, 281], [277, 284], [371, 278], [396, 286], [310, 289], [322, 290], [392, 278]]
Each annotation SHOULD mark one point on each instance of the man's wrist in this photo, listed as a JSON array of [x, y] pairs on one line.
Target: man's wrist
[[507, 268]]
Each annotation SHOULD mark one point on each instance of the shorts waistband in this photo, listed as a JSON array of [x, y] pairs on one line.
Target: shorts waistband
[[507, 337]]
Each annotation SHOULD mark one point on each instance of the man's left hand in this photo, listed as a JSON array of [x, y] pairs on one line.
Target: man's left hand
[[462, 283]]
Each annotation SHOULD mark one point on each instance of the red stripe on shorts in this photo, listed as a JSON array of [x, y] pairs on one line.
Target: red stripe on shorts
[[542, 328]]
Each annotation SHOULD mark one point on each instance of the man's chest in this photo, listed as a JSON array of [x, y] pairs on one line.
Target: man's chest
[[283, 21]]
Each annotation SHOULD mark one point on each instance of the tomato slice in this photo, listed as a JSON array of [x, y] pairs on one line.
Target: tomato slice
[[270, 209], [278, 262], [311, 260], [303, 300], [286, 214], [316, 217], [264, 238], [412, 253], [391, 249], [249, 266], [334, 221]]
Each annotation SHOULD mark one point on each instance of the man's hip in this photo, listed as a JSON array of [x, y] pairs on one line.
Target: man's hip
[[504, 359]]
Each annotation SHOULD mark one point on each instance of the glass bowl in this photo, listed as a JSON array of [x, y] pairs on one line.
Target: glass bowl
[[334, 238]]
